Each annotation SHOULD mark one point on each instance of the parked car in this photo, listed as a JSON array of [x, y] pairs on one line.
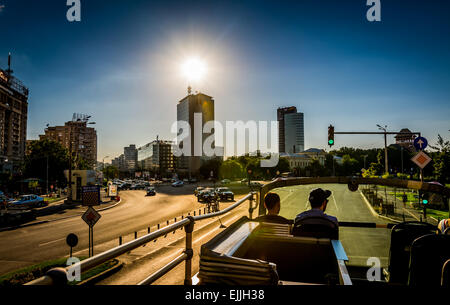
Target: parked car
[[193, 180], [256, 184], [206, 194], [198, 190], [225, 193], [225, 181], [28, 201], [178, 183], [150, 191], [244, 181]]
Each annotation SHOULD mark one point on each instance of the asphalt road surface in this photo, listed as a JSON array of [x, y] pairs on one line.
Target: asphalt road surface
[[26, 246], [29, 245], [359, 243]]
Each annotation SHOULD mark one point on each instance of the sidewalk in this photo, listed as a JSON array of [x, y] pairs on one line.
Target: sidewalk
[[401, 211]]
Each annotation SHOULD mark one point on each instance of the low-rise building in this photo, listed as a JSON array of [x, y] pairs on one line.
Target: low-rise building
[[305, 158]]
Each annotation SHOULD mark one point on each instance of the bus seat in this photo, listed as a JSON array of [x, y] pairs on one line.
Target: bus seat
[[297, 259], [428, 255], [402, 236], [318, 227]]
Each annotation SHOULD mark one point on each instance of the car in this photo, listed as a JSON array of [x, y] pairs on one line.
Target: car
[[150, 191], [255, 184], [193, 180], [244, 181], [198, 190], [5, 198], [28, 201], [186, 180], [178, 183], [206, 195], [225, 181], [225, 193]]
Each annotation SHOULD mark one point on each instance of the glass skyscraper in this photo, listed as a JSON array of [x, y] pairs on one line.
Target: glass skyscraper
[[294, 133]]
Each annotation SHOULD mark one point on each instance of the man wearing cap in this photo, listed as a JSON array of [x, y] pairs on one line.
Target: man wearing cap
[[318, 200]]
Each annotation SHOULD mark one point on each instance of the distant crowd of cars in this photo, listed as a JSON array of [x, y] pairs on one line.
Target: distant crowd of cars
[[205, 194]]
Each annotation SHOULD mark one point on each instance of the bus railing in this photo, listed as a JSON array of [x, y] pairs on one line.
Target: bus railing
[[59, 276]]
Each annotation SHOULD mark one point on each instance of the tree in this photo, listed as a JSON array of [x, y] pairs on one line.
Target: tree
[[442, 160], [231, 169], [316, 169], [111, 172], [210, 165], [47, 154]]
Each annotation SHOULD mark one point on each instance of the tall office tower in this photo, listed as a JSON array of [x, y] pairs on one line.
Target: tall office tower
[[13, 120], [198, 103], [281, 112], [294, 133]]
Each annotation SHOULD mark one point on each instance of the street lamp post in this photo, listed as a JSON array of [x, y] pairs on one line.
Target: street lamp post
[[386, 169]]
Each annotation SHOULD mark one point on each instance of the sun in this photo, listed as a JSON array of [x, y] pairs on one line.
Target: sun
[[194, 69]]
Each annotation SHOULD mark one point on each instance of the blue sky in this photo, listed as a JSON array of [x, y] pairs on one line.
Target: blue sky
[[120, 64]]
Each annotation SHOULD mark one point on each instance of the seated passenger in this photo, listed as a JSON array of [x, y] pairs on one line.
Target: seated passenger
[[272, 204], [318, 199], [443, 225]]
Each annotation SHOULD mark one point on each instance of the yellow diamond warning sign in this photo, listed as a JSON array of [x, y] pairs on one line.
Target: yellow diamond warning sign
[[421, 159]]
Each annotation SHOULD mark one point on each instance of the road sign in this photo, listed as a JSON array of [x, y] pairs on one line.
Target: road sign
[[91, 195], [421, 159], [91, 217], [112, 190], [420, 143], [72, 240]]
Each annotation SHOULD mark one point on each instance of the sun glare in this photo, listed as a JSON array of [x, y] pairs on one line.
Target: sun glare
[[194, 69]]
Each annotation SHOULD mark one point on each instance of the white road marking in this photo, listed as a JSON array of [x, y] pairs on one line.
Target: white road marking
[[337, 209], [50, 242]]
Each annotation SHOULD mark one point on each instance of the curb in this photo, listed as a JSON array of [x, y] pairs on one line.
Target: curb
[[53, 220], [101, 276], [375, 213]]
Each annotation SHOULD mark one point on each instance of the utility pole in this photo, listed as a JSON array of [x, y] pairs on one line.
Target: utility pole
[[70, 165], [47, 175], [386, 168], [402, 158]]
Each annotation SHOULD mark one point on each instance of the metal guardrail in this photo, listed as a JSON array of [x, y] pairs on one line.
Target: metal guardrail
[[58, 276]]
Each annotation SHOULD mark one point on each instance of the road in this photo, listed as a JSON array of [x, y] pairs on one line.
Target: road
[[359, 243], [34, 244]]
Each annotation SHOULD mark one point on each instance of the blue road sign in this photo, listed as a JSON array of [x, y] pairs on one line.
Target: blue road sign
[[420, 143]]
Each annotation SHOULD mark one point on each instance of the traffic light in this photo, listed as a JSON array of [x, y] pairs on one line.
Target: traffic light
[[331, 135], [424, 196]]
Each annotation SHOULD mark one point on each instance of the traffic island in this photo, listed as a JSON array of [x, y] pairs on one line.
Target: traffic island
[[27, 274]]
